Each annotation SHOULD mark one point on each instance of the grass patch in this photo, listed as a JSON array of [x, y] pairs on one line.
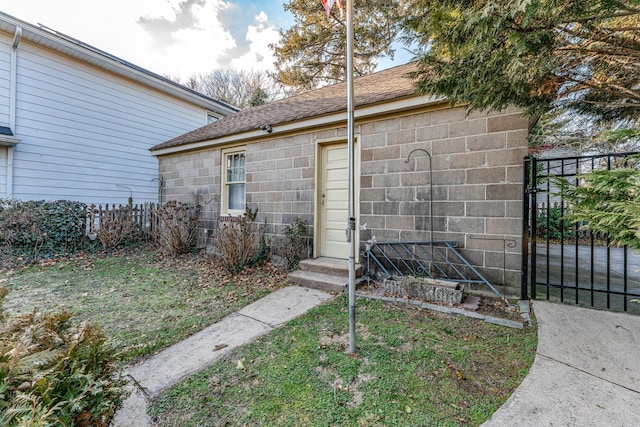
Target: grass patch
[[413, 367], [142, 300]]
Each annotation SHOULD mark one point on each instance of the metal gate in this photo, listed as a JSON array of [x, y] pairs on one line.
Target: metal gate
[[562, 261]]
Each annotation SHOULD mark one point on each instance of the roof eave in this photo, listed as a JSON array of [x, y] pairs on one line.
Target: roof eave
[[110, 63], [360, 113]]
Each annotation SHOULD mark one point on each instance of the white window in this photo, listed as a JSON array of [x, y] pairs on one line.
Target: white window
[[211, 117], [233, 181]]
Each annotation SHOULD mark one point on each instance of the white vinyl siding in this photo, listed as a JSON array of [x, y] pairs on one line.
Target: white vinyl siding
[[85, 133], [3, 172]]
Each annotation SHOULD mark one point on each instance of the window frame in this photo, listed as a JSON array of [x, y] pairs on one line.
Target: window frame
[[208, 115], [224, 191]]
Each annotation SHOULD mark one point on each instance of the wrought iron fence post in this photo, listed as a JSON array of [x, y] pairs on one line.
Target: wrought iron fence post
[[524, 268]]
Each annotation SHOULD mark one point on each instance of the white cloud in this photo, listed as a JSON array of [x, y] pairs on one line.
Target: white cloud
[[176, 37], [259, 36]]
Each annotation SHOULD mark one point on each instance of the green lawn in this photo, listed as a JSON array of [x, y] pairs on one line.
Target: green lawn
[[412, 368], [143, 300]]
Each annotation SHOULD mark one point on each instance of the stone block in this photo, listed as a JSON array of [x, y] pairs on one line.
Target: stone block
[[451, 208], [366, 208], [382, 126], [386, 153], [373, 195], [440, 291], [386, 180], [414, 236], [386, 208], [448, 115], [399, 223], [449, 177], [514, 209], [448, 146], [503, 226], [412, 208], [467, 160], [284, 163], [399, 194], [518, 138], [504, 191], [423, 223], [415, 121], [414, 179], [515, 174], [465, 225], [400, 166], [430, 133], [486, 175], [372, 141], [507, 122], [366, 155], [468, 127], [301, 162], [494, 141], [506, 157], [401, 137], [467, 192], [485, 209]]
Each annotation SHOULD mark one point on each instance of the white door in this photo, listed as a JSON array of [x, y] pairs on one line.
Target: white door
[[334, 194]]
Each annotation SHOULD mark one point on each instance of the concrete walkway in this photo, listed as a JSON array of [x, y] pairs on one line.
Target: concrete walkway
[[200, 350], [586, 371]]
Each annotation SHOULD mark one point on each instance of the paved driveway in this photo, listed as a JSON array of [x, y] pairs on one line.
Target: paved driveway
[[598, 268]]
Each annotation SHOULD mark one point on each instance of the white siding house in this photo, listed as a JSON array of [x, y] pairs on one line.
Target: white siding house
[[76, 123]]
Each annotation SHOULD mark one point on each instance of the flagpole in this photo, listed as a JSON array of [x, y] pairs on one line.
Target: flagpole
[[351, 160]]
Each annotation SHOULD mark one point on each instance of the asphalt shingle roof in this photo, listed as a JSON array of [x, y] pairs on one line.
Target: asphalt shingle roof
[[374, 88]]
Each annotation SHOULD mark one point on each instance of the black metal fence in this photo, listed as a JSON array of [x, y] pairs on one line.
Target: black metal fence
[[563, 262]]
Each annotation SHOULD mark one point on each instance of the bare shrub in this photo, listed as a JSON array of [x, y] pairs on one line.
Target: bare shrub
[[115, 226], [177, 226], [295, 247], [240, 242]]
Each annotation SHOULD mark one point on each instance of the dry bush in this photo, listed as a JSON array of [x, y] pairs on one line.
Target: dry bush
[[177, 226], [240, 242], [116, 225]]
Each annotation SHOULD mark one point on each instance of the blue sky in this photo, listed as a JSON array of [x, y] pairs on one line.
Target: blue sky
[[170, 37]]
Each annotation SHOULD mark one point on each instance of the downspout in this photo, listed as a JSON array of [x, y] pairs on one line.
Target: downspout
[[13, 87]]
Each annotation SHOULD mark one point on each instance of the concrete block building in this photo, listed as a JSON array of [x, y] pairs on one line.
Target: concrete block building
[[424, 170]]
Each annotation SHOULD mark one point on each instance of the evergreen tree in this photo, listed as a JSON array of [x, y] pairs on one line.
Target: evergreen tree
[[536, 54], [312, 52]]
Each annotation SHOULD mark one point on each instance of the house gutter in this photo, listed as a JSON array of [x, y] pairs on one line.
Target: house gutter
[[361, 114], [8, 140]]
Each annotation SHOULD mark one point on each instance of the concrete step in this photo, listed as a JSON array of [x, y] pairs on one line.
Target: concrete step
[[321, 281], [331, 266]]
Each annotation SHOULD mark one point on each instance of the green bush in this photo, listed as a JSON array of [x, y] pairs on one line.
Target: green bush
[[55, 372], [552, 225], [36, 228], [607, 202]]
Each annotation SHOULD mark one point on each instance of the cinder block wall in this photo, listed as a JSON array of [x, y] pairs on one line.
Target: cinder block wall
[[280, 184], [477, 177], [194, 178], [477, 183]]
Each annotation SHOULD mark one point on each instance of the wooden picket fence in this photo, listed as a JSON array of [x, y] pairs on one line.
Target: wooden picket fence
[[141, 215]]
